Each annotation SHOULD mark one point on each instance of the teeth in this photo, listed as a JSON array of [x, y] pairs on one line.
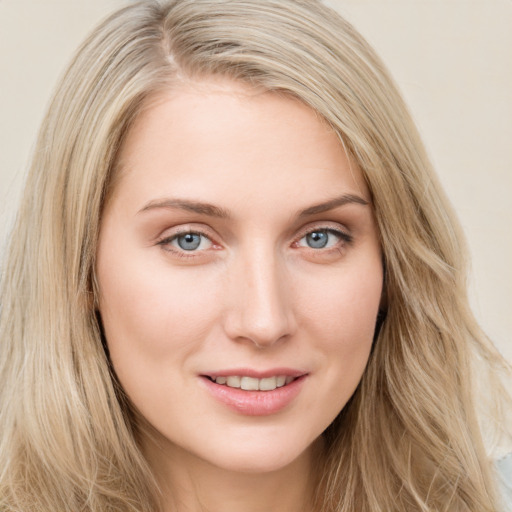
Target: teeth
[[252, 384], [233, 381], [268, 384], [249, 384]]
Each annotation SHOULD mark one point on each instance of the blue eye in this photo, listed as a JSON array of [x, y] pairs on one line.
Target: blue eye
[[190, 242], [321, 239], [317, 239]]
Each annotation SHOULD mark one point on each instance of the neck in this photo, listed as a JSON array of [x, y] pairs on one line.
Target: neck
[[190, 484]]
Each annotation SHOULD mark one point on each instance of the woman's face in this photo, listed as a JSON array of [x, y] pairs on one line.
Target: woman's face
[[238, 249]]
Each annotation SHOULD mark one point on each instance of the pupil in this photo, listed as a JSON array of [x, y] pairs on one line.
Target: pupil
[[189, 242], [317, 239]]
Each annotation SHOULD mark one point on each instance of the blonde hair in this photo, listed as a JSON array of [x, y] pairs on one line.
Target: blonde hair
[[408, 440]]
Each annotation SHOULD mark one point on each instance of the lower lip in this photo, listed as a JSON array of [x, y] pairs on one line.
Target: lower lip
[[255, 403]]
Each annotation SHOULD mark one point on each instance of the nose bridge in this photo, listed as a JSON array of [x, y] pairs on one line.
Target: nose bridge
[[260, 307]]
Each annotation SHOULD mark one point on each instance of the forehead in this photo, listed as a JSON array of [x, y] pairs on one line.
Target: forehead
[[210, 135]]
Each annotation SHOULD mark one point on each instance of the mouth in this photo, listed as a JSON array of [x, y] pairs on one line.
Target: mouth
[[248, 383], [255, 393]]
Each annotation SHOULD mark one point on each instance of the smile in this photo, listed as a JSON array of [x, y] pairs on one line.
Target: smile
[[255, 393], [253, 384]]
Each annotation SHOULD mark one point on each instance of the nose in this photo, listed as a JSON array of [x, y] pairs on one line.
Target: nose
[[259, 306]]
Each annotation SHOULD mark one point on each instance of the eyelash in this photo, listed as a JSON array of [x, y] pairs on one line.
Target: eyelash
[[182, 253], [344, 237], [165, 242]]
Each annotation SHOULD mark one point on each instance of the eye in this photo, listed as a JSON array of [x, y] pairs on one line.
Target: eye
[[189, 242], [322, 239]]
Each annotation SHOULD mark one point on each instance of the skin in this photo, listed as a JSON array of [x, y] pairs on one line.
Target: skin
[[254, 294]]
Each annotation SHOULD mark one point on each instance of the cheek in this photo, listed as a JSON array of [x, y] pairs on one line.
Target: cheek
[[346, 305], [345, 312], [154, 320], [152, 311]]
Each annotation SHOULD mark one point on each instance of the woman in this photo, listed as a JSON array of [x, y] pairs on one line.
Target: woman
[[235, 282]]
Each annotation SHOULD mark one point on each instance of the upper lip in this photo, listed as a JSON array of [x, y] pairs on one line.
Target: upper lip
[[256, 374]]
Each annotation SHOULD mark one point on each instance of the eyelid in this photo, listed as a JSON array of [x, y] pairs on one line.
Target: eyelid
[[174, 242], [169, 235], [183, 229], [335, 228]]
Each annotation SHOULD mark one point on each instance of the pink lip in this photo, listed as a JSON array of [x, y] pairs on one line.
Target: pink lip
[[257, 374], [256, 403]]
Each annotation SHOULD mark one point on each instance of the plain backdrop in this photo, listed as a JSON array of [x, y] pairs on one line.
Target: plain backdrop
[[452, 59]]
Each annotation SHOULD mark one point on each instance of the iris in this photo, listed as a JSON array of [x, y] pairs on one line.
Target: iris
[[317, 239], [189, 241]]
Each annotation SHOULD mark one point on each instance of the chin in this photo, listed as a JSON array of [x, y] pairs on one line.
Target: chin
[[260, 455]]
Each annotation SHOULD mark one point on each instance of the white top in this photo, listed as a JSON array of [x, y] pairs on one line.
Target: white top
[[504, 467]]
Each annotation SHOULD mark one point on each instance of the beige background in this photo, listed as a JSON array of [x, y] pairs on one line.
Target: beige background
[[451, 58]]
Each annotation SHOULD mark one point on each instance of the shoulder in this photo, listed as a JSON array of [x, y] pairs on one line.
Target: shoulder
[[504, 470]]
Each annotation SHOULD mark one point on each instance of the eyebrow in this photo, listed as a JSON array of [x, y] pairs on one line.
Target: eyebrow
[[215, 211], [333, 203], [190, 206]]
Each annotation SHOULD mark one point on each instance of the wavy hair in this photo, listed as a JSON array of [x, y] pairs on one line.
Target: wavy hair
[[408, 440]]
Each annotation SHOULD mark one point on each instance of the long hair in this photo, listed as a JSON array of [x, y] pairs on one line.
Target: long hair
[[408, 440]]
